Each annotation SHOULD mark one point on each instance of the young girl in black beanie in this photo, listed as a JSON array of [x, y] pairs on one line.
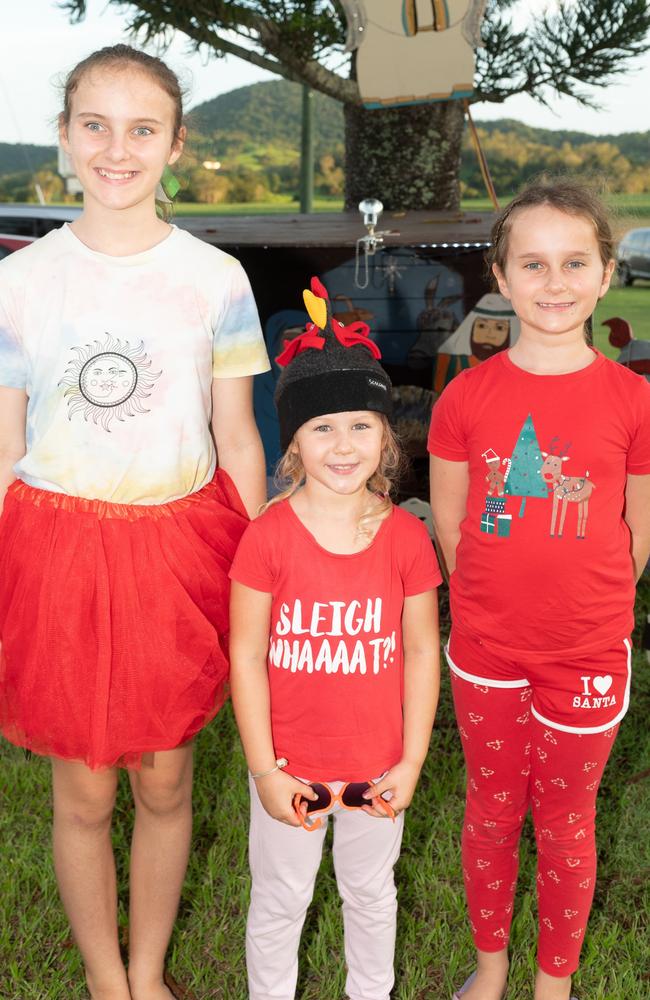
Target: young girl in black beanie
[[334, 649]]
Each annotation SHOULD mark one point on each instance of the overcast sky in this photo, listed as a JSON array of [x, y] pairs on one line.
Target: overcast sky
[[38, 46]]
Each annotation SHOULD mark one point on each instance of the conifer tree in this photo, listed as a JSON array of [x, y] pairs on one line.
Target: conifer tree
[[524, 478], [408, 156]]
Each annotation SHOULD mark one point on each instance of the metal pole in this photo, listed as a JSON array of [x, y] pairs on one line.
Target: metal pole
[[307, 151]]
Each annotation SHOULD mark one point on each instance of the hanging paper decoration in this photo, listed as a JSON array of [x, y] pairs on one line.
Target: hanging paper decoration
[[428, 46]]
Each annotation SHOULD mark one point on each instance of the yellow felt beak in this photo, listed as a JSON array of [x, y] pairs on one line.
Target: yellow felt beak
[[317, 308]]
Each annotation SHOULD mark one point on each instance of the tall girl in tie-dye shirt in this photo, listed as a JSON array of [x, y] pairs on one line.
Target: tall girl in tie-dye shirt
[[127, 350]]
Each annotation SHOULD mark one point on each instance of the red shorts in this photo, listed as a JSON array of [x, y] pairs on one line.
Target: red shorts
[[588, 694]]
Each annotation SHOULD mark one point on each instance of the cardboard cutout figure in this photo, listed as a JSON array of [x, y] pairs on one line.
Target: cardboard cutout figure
[[428, 45], [490, 327], [635, 354], [434, 323]]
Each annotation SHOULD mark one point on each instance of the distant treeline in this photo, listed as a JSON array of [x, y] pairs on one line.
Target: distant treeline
[[516, 152], [254, 135]]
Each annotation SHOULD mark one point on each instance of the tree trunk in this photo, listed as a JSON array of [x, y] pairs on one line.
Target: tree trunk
[[407, 157]]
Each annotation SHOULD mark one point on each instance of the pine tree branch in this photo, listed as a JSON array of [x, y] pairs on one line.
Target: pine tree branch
[[583, 44], [588, 42], [281, 37]]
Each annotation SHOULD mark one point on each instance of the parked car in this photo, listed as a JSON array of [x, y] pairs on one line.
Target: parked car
[[34, 220], [10, 243], [634, 256]]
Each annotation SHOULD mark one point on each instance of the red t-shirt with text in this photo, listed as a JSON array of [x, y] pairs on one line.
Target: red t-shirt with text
[[543, 562], [335, 651]]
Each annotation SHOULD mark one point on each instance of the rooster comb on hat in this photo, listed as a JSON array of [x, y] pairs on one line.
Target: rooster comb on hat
[[330, 368]]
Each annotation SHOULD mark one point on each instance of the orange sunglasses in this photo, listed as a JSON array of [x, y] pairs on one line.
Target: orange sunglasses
[[350, 797]]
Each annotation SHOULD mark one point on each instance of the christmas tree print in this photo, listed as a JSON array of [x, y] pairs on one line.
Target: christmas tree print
[[524, 479]]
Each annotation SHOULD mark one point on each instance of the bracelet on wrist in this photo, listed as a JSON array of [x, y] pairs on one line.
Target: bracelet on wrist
[[279, 764]]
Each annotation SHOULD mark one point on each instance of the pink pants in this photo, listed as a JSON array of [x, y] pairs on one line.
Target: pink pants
[[284, 861], [514, 760]]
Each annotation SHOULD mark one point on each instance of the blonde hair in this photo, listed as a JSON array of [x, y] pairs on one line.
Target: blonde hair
[[290, 476]]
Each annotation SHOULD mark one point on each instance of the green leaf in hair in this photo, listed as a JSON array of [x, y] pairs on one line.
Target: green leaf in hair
[[170, 183]]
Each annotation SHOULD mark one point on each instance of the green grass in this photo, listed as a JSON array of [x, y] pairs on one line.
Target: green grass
[[281, 205], [628, 209], [434, 951], [621, 205]]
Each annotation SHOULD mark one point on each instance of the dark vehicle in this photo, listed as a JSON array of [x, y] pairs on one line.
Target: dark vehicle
[[634, 256], [34, 220]]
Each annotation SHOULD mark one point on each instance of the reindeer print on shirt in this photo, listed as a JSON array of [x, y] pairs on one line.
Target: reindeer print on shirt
[[530, 472], [566, 489]]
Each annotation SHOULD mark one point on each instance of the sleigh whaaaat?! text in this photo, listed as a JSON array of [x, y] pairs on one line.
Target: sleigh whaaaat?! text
[[314, 639]]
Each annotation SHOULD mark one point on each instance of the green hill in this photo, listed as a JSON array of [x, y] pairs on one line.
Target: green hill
[[266, 114], [15, 159], [635, 146], [255, 131]]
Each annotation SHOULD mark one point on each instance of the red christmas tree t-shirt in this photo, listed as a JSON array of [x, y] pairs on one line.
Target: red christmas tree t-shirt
[[335, 648], [543, 563]]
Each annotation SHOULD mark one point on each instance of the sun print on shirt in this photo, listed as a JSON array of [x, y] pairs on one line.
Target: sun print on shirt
[[108, 380]]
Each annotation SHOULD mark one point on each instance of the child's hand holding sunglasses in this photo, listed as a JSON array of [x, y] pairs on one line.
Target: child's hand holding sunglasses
[[401, 782], [277, 792], [351, 795]]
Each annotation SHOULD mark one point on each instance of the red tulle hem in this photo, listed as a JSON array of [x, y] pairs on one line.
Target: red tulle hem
[[114, 621]]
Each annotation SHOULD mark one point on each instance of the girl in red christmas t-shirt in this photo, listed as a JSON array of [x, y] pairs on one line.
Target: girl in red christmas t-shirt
[[335, 661], [542, 576]]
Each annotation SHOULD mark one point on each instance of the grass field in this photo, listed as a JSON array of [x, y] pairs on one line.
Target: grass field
[[38, 960], [627, 210], [281, 205]]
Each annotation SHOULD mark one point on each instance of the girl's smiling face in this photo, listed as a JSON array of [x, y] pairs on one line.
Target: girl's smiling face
[[120, 136], [341, 451], [553, 275]]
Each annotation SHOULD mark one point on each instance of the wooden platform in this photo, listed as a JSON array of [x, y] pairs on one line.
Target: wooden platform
[[342, 229]]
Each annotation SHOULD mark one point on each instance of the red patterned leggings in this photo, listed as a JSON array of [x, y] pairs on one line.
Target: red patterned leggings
[[515, 761]]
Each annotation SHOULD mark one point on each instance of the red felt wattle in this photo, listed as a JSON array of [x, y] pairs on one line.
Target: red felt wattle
[[348, 336], [356, 333], [299, 344]]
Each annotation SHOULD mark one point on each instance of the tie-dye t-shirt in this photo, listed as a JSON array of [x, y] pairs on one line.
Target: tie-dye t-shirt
[[117, 355]]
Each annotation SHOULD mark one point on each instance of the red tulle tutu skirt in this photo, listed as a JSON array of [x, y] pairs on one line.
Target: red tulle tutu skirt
[[114, 620]]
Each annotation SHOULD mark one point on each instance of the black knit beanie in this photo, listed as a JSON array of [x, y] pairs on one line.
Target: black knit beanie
[[330, 368]]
